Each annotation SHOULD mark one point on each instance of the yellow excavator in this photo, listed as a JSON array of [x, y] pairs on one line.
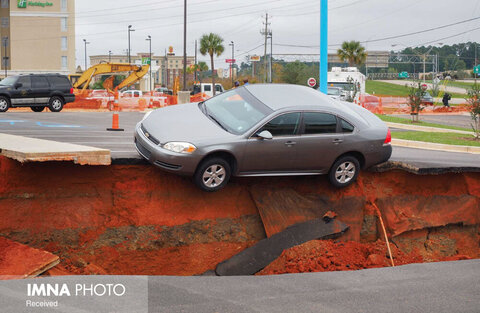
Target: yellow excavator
[[136, 73]]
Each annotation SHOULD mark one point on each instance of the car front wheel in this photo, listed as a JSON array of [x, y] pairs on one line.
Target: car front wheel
[[344, 172], [56, 104], [4, 104], [212, 174], [37, 109]]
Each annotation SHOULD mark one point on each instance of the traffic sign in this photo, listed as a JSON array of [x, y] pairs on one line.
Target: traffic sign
[[403, 75], [476, 69], [424, 87], [231, 61], [312, 82]]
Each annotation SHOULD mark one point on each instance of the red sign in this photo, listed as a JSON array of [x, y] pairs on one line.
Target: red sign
[[312, 82], [230, 61], [424, 87]]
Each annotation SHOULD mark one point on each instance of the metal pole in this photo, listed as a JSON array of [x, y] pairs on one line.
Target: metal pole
[[85, 43], [323, 46], [5, 58], [185, 46], [265, 54], [475, 75], [231, 63], [128, 51], [150, 58], [424, 57], [109, 56], [271, 56], [195, 75]]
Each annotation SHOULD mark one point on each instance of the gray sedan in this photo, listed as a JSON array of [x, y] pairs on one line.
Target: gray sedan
[[264, 130]]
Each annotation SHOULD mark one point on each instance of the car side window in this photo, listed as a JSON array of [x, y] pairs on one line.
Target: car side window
[[40, 82], [346, 126], [319, 123], [59, 82], [283, 125], [207, 88], [25, 81]]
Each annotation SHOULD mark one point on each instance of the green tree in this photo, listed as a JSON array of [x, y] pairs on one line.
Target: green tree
[[294, 72], [415, 96], [212, 44], [352, 52], [474, 101]]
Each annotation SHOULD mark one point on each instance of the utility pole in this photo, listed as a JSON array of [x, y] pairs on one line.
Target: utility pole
[[271, 56], [5, 57], [129, 53], [233, 57], [195, 61], [149, 39], [109, 56], [86, 43], [185, 46], [265, 33]]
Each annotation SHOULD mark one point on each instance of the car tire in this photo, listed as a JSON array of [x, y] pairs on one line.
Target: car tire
[[37, 109], [344, 171], [4, 104], [212, 174], [56, 104]]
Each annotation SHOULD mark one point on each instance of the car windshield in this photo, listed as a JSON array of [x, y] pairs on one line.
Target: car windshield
[[236, 111], [9, 81], [334, 91]]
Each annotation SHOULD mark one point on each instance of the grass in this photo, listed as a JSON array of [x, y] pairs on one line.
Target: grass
[[443, 138], [401, 120], [458, 84], [387, 89]]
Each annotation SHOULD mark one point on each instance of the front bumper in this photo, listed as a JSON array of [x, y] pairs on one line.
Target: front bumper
[[184, 164]]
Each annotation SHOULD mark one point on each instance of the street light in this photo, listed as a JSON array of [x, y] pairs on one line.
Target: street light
[[129, 31], [86, 43], [232, 44], [149, 39]]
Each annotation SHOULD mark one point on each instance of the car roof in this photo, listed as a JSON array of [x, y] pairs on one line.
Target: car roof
[[281, 96]]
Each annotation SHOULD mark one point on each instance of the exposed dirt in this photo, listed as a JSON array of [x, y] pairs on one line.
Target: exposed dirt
[[139, 220]]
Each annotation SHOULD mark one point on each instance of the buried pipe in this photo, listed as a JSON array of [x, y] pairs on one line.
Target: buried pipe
[[379, 214]]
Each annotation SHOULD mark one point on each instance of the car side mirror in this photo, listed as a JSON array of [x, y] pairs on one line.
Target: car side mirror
[[18, 85], [265, 135]]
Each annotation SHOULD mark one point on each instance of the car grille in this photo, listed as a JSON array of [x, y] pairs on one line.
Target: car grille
[[149, 136], [167, 165], [143, 151]]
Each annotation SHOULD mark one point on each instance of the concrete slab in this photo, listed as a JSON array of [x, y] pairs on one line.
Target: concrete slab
[[24, 149]]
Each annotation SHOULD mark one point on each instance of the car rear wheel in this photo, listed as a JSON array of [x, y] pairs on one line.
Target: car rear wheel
[[344, 172], [212, 174], [4, 104], [37, 109], [56, 104]]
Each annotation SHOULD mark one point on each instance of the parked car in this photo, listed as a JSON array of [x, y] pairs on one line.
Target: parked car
[[264, 130], [36, 91], [207, 89], [132, 93], [427, 99]]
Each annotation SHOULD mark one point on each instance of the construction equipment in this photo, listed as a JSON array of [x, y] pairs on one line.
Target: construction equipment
[[136, 73]]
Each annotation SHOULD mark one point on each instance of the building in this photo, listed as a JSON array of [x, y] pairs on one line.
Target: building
[[165, 68], [37, 36]]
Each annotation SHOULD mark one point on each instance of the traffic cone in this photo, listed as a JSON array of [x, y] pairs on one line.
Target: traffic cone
[[150, 105], [115, 118]]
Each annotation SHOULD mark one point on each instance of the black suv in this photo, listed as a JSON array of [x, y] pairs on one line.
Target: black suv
[[36, 91]]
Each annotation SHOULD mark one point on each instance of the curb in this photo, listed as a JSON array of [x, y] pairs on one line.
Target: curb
[[427, 128], [434, 146]]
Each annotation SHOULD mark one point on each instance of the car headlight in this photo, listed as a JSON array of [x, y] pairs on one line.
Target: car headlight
[[146, 115], [180, 147]]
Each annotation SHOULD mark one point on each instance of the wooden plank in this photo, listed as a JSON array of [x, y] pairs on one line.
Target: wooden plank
[[18, 261], [255, 258]]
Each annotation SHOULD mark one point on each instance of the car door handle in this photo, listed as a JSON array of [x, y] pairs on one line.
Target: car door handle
[[337, 141], [290, 143]]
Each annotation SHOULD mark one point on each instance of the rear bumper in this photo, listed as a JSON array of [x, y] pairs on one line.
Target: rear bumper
[[69, 98], [378, 157]]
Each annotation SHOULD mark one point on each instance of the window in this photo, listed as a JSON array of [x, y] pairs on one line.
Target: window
[[64, 43], [207, 87], [64, 25], [64, 5], [5, 22], [5, 4], [283, 125], [25, 81], [347, 127], [64, 62], [58, 82], [320, 123], [39, 82]]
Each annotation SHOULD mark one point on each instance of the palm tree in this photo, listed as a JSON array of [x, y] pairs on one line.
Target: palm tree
[[212, 44], [201, 67], [352, 52]]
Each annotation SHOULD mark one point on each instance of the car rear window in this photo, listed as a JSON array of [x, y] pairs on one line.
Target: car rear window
[[346, 126], [59, 82], [319, 123]]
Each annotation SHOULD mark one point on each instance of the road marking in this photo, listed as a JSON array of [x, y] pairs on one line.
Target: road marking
[[58, 125], [11, 122]]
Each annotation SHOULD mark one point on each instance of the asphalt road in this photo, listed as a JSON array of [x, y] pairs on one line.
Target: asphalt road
[[434, 287], [89, 128]]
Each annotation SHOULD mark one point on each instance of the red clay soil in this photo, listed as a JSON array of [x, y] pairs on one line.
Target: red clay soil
[[139, 220], [20, 261]]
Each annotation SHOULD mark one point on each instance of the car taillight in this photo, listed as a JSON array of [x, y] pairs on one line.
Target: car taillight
[[71, 90], [388, 140]]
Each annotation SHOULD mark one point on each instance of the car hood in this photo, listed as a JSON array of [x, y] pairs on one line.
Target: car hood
[[183, 122]]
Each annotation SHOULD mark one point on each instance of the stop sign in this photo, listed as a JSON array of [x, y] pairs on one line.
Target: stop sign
[[312, 82], [424, 87]]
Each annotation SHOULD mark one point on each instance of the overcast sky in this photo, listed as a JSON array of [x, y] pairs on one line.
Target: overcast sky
[[293, 22]]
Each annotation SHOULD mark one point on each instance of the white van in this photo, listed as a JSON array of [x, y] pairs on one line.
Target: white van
[[207, 89]]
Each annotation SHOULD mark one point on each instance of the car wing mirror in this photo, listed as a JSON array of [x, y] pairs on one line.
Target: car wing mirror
[[18, 85], [265, 135]]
